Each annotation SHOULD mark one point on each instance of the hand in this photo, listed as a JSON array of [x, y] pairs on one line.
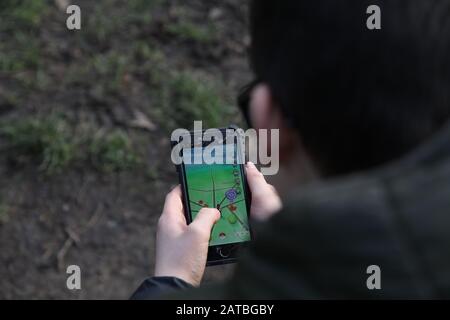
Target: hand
[[265, 199], [181, 249]]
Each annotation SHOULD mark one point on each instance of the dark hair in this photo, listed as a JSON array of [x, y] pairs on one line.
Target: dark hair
[[357, 97]]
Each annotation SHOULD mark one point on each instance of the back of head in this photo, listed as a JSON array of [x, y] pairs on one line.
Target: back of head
[[358, 97]]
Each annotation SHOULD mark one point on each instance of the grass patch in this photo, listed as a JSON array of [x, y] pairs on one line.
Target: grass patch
[[140, 11], [99, 28], [53, 146], [150, 64], [144, 5], [189, 31], [46, 142], [113, 70], [20, 53], [124, 17], [110, 68], [185, 98], [19, 30], [22, 13], [113, 152]]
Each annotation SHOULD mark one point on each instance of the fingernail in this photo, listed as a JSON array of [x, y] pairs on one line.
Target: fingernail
[[250, 165]]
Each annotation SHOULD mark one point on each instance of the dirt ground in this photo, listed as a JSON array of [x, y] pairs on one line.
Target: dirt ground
[[85, 122]]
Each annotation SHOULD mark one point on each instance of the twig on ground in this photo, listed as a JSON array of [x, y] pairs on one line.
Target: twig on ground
[[75, 237]]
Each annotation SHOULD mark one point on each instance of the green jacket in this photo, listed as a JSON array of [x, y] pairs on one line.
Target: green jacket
[[328, 234]]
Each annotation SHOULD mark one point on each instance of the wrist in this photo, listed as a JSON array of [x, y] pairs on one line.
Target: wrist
[[176, 273]]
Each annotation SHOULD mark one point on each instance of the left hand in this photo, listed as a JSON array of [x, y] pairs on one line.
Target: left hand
[[181, 249]]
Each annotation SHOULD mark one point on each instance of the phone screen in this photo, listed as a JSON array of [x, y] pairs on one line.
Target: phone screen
[[219, 186]]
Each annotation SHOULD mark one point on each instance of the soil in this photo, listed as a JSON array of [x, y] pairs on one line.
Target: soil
[[103, 222]]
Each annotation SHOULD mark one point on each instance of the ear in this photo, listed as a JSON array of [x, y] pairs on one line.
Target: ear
[[266, 114]]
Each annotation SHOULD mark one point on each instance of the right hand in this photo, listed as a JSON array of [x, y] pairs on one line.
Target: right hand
[[265, 199], [182, 249]]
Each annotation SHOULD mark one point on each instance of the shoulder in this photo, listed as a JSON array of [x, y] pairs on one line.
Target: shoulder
[[326, 237], [338, 202]]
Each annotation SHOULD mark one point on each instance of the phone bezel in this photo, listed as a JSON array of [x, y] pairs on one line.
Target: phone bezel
[[216, 255]]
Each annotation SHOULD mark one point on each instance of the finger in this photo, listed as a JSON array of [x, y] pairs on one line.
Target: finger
[[173, 205], [255, 179], [205, 220]]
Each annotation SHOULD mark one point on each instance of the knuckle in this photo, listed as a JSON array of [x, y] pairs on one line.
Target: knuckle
[[161, 221], [168, 197], [205, 211], [273, 189]]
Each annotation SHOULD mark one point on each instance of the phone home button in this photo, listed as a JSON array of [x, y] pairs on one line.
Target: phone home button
[[225, 254]]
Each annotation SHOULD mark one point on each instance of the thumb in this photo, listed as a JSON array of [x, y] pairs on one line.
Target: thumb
[[256, 181], [205, 220]]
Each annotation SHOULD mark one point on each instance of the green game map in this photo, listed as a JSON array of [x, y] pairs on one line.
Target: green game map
[[219, 186]]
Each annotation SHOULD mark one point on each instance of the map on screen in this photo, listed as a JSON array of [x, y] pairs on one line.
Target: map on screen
[[218, 186]]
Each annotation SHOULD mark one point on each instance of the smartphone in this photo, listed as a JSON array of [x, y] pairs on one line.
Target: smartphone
[[221, 185]]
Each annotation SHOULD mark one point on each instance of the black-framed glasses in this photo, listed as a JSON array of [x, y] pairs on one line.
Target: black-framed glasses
[[244, 99]]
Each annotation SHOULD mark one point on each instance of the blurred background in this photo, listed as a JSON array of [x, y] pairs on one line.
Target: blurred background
[[85, 123]]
